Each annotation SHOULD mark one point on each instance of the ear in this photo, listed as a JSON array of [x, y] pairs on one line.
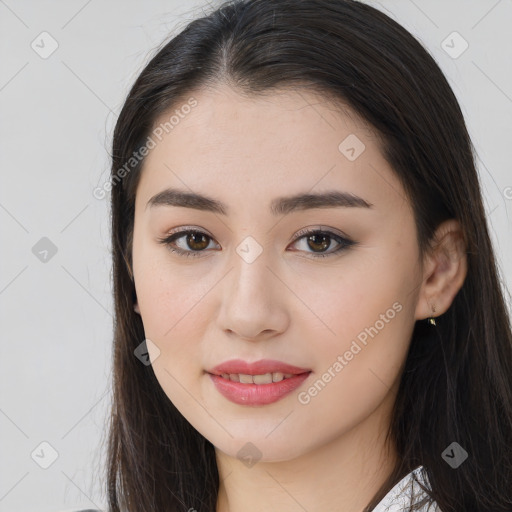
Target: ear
[[130, 272], [444, 271]]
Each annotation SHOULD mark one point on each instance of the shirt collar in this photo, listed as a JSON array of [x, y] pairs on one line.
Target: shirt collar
[[398, 499]]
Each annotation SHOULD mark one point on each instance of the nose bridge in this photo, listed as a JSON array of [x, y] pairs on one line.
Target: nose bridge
[[251, 277], [251, 302]]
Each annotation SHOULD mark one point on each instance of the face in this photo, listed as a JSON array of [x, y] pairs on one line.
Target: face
[[326, 285]]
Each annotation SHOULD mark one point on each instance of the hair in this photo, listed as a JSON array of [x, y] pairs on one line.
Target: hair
[[456, 384]]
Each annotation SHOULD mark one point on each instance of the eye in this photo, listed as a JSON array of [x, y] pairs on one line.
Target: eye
[[198, 241], [318, 239]]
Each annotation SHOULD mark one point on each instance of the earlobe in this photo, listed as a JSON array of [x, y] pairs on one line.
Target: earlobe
[[136, 308], [445, 270]]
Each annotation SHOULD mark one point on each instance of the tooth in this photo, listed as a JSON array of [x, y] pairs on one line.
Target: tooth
[[262, 379], [266, 378]]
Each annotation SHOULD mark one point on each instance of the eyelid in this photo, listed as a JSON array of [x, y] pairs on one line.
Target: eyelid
[[188, 229], [324, 229]]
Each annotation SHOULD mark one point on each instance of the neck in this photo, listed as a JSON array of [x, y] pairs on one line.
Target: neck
[[343, 474]]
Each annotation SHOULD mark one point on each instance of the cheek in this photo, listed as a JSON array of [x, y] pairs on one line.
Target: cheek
[[354, 298], [174, 318], [171, 310], [358, 367], [167, 294], [367, 321]]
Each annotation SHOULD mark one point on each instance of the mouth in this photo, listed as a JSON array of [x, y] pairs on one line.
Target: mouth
[[259, 383], [257, 368], [265, 378]]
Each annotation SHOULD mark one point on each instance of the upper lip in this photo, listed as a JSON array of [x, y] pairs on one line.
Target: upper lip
[[260, 367]]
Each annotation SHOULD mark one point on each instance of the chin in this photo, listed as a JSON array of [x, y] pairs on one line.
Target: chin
[[259, 448]]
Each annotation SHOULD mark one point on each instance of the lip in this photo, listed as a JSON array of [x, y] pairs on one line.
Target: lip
[[257, 394], [257, 368]]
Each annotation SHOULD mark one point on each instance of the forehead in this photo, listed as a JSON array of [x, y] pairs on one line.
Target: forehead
[[249, 149]]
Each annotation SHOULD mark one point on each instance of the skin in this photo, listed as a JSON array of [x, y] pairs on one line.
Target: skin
[[328, 454]]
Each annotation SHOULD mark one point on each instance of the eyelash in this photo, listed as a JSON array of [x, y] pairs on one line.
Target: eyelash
[[343, 241]]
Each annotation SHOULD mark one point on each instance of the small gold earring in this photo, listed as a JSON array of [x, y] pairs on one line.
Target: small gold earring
[[432, 320]]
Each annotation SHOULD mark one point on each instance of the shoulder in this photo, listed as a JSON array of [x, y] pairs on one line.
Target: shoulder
[[406, 493]]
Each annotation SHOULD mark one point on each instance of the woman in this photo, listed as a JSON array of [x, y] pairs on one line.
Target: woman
[[308, 309]]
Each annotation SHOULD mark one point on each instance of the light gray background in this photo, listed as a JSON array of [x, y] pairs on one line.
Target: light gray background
[[57, 116]]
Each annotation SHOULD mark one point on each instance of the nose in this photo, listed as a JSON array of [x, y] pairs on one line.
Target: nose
[[253, 300]]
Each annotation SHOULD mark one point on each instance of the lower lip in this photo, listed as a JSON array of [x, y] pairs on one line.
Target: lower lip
[[257, 394]]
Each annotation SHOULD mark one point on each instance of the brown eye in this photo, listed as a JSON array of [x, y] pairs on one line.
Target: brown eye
[[194, 242], [197, 241], [318, 241]]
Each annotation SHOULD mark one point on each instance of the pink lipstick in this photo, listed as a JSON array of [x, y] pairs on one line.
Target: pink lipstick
[[259, 383]]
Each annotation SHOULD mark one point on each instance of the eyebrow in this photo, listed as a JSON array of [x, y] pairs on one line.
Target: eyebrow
[[279, 206]]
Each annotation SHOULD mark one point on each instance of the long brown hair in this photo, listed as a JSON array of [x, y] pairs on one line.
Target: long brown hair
[[457, 382]]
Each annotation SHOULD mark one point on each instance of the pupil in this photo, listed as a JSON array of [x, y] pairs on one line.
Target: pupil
[[192, 237], [324, 244]]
